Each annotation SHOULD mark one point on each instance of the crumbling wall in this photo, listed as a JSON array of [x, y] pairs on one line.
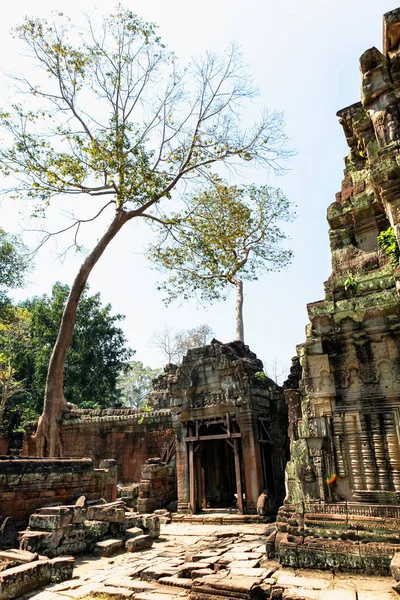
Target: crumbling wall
[[124, 435], [27, 484], [157, 485]]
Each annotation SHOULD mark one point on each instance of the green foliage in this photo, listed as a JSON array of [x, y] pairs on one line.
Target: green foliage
[[151, 122], [388, 243], [350, 284], [97, 354], [14, 262], [226, 233], [135, 383], [261, 376]]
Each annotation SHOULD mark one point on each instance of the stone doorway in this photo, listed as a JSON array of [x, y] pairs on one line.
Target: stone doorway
[[215, 464]]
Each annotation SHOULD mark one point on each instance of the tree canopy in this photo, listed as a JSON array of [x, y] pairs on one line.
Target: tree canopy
[[14, 262], [97, 357], [97, 354], [110, 114], [226, 235], [135, 384]]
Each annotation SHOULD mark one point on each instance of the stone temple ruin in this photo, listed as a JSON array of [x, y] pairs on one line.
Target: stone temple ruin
[[225, 445], [343, 480]]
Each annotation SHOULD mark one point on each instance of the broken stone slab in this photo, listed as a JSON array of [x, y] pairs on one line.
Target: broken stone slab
[[337, 595], [186, 569], [108, 547], [232, 555], [33, 541], [230, 586], [254, 572], [180, 582], [20, 556], [157, 572], [201, 573], [140, 542], [131, 584], [33, 575], [133, 532], [113, 512], [300, 594], [243, 564], [155, 596], [303, 582], [113, 592]]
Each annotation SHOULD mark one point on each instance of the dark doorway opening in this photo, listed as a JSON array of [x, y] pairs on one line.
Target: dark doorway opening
[[215, 471]]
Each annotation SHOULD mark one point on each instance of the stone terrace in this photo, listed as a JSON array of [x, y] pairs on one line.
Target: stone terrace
[[209, 562]]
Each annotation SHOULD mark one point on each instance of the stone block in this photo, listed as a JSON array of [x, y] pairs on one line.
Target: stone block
[[31, 576], [111, 513], [96, 530], [133, 532], [45, 522], [141, 542], [395, 566], [108, 547], [19, 556], [187, 569]]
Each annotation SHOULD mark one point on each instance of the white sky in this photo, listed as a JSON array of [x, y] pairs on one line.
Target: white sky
[[305, 59]]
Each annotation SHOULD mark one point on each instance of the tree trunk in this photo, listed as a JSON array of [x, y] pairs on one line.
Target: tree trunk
[[47, 437], [239, 310]]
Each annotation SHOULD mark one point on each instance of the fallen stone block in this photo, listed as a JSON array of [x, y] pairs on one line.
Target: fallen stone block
[[141, 542], [95, 530], [133, 532], [31, 576], [113, 512], [65, 512], [20, 556], [186, 569], [108, 547]]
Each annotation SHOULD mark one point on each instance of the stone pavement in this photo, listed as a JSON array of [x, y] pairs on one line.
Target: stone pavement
[[208, 562]]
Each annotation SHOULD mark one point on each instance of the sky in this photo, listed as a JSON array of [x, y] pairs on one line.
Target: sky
[[304, 57]]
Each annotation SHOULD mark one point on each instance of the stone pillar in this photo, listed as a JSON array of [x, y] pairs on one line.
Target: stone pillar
[[182, 471], [252, 465]]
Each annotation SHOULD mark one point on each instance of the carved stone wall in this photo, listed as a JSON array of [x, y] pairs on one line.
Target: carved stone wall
[[344, 392]]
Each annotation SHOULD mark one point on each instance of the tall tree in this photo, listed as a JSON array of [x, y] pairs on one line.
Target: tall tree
[[117, 119], [226, 235], [135, 383]]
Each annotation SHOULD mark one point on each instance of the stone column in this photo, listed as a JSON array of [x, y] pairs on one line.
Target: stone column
[[182, 471], [252, 465]]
